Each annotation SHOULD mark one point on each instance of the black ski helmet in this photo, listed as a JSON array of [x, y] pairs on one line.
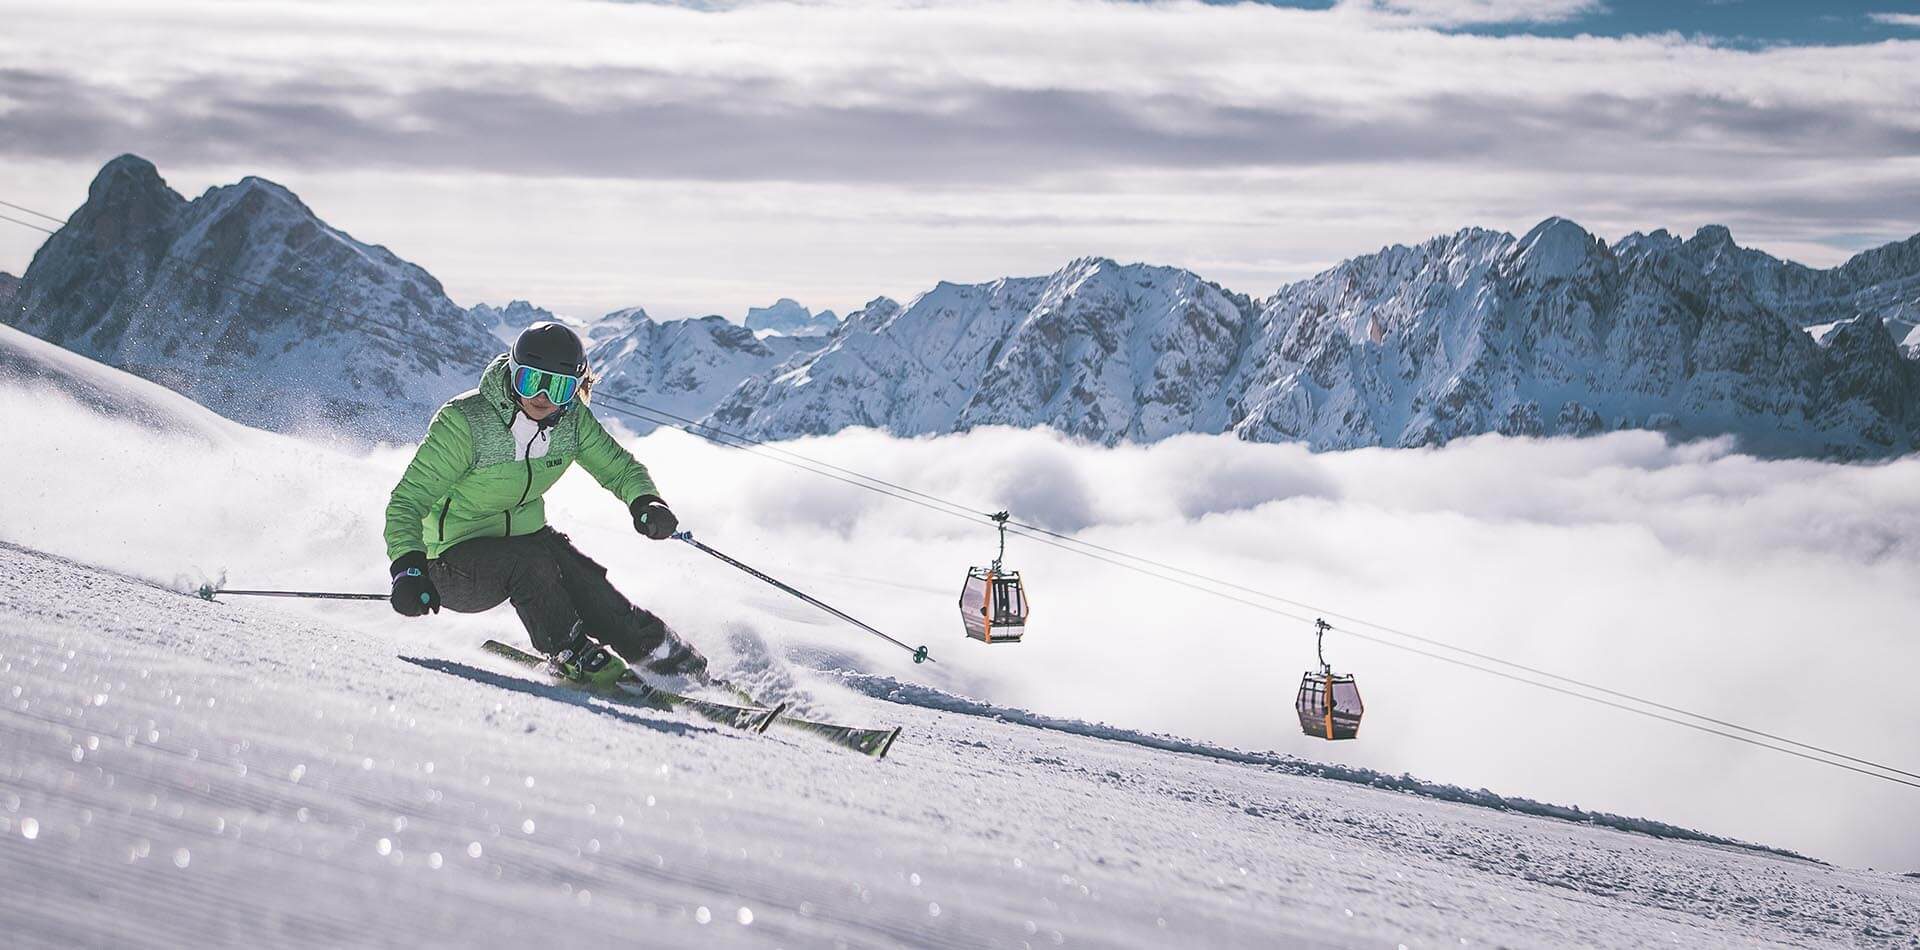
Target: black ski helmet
[[552, 347]]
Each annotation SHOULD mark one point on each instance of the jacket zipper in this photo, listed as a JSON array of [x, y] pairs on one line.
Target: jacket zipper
[[529, 486], [443, 517]]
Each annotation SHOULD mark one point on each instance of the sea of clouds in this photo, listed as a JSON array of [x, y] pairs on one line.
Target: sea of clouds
[[1779, 594]]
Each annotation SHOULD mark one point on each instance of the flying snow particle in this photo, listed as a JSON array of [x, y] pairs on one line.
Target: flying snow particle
[[702, 915]]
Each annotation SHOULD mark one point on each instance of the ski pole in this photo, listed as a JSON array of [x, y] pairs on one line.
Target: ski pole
[[919, 653], [207, 592]]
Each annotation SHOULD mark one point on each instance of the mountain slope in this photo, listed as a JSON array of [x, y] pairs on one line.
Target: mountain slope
[[684, 367], [787, 317], [44, 368], [247, 302], [1556, 333], [1097, 349], [1550, 333]]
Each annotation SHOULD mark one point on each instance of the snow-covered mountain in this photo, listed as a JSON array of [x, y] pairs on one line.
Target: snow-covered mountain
[[249, 303], [1099, 350], [1550, 333], [505, 323], [246, 301], [1557, 333], [788, 318], [684, 367]]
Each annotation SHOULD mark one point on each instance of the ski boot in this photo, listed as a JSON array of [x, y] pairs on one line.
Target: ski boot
[[584, 661], [676, 657]]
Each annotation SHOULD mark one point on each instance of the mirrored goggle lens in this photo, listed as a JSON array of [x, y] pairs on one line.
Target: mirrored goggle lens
[[530, 382]]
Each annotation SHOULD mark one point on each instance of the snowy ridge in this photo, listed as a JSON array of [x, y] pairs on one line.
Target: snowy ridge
[[787, 317], [250, 304], [1551, 333], [1098, 350], [885, 687], [25, 359], [685, 367], [505, 323]]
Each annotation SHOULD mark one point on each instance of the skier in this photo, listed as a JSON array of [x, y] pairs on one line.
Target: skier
[[466, 526]]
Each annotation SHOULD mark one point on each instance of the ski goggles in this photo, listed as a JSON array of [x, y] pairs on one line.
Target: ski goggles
[[530, 382]]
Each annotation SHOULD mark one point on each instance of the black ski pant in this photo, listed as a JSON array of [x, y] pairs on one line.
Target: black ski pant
[[551, 586]]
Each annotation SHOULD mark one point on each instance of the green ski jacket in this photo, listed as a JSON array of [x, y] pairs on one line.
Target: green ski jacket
[[479, 475]]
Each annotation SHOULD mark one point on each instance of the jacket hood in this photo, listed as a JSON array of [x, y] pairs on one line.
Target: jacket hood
[[493, 384]]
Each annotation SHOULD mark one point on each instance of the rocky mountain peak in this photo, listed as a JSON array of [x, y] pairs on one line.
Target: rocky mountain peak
[[505, 323], [1557, 249], [788, 316], [126, 177], [1712, 236], [247, 302]]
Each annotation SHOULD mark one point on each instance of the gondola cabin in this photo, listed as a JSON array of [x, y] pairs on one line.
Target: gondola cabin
[[1329, 703], [1329, 706], [993, 605]]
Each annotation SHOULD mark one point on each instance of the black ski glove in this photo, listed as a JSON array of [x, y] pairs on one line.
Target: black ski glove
[[653, 518], [413, 592]]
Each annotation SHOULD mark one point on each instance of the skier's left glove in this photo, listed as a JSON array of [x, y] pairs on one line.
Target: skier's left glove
[[653, 518], [413, 591]]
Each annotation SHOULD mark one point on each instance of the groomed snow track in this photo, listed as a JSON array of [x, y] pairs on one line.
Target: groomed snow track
[[182, 773]]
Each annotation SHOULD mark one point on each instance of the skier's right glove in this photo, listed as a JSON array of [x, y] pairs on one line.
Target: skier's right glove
[[413, 592], [653, 518]]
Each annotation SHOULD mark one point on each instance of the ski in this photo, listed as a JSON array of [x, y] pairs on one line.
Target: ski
[[866, 741], [870, 742], [873, 742], [750, 718]]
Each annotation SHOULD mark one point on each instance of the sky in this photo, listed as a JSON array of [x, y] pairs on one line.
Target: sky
[[706, 158]]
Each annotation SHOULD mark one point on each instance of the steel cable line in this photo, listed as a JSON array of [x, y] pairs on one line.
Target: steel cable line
[[359, 322], [37, 214], [25, 224], [1038, 533], [1047, 537]]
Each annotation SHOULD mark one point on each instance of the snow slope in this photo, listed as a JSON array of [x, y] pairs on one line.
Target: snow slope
[[179, 772]]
